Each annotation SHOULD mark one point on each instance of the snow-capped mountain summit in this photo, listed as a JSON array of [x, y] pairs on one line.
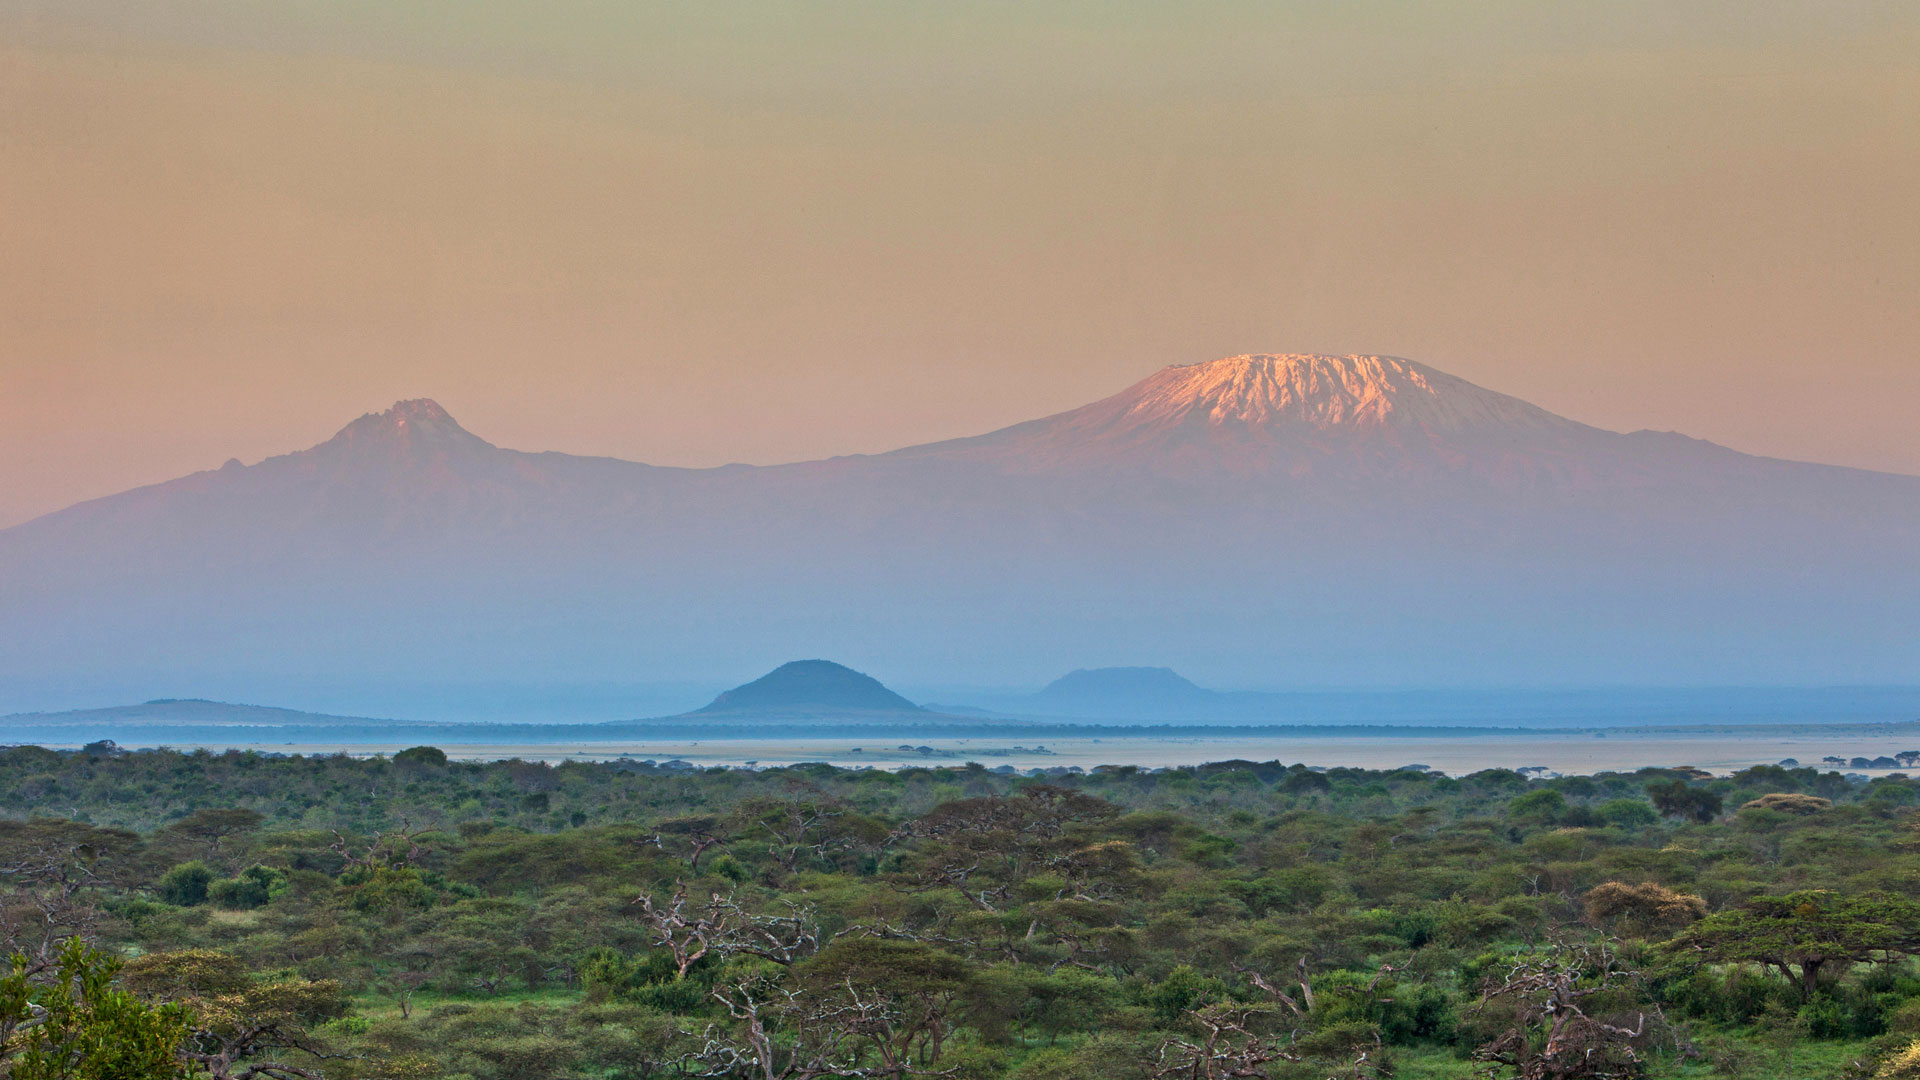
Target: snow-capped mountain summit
[[1297, 414], [1324, 392]]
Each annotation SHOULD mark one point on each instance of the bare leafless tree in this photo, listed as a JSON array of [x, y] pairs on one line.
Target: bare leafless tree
[[782, 1033], [1547, 992], [722, 927], [1300, 1006], [52, 880], [1230, 1045]]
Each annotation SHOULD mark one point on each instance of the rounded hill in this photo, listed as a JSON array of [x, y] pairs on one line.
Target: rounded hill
[[808, 685]]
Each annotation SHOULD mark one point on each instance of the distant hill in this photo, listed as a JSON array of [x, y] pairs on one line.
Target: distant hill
[[1127, 693], [811, 686], [197, 722], [173, 712]]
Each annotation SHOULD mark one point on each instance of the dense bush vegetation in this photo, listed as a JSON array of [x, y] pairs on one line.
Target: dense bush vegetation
[[421, 917]]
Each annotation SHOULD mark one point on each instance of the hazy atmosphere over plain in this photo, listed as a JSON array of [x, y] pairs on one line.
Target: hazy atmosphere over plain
[[692, 234]]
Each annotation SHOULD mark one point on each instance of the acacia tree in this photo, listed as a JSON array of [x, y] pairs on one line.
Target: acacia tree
[[700, 832], [1642, 908], [1804, 934], [984, 846], [213, 825], [1237, 1041], [241, 1029], [805, 823], [908, 996], [1677, 798], [1039, 889], [246, 1035]]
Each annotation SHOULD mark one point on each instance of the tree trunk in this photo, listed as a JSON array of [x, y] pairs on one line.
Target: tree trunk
[[1809, 978]]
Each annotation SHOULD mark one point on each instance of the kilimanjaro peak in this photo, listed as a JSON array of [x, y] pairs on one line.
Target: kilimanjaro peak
[[1294, 413], [1322, 392]]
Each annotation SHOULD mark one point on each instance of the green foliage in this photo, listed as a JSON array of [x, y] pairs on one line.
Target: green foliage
[[76, 1026], [254, 887], [1069, 926], [1902, 1064], [186, 973], [1804, 934], [649, 979], [1677, 798], [212, 826], [1182, 991], [429, 756], [387, 888], [1627, 813], [1542, 807], [186, 884]]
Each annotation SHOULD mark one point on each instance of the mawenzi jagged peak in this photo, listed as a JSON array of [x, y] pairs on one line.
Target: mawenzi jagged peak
[[416, 424]]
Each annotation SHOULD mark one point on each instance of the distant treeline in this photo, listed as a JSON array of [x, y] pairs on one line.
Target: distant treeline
[[388, 733]]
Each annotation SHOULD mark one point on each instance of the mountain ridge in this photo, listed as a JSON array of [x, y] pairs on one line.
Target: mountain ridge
[[1315, 519], [1388, 399]]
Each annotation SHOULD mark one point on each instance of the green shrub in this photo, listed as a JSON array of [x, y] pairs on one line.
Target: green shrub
[[386, 888], [1542, 807], [1182, 991], [1628, 813], [186, 884], [254, 887], [421, 756], [1825, 1018], [730, 868]]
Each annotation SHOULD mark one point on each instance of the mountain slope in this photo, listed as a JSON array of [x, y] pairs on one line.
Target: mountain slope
[[1297, 520]]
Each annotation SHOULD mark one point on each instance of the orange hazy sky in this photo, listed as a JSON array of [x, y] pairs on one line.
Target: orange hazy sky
[[700, 233]]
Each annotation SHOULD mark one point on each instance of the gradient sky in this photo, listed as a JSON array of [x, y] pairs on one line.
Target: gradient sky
[[699, 233]]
